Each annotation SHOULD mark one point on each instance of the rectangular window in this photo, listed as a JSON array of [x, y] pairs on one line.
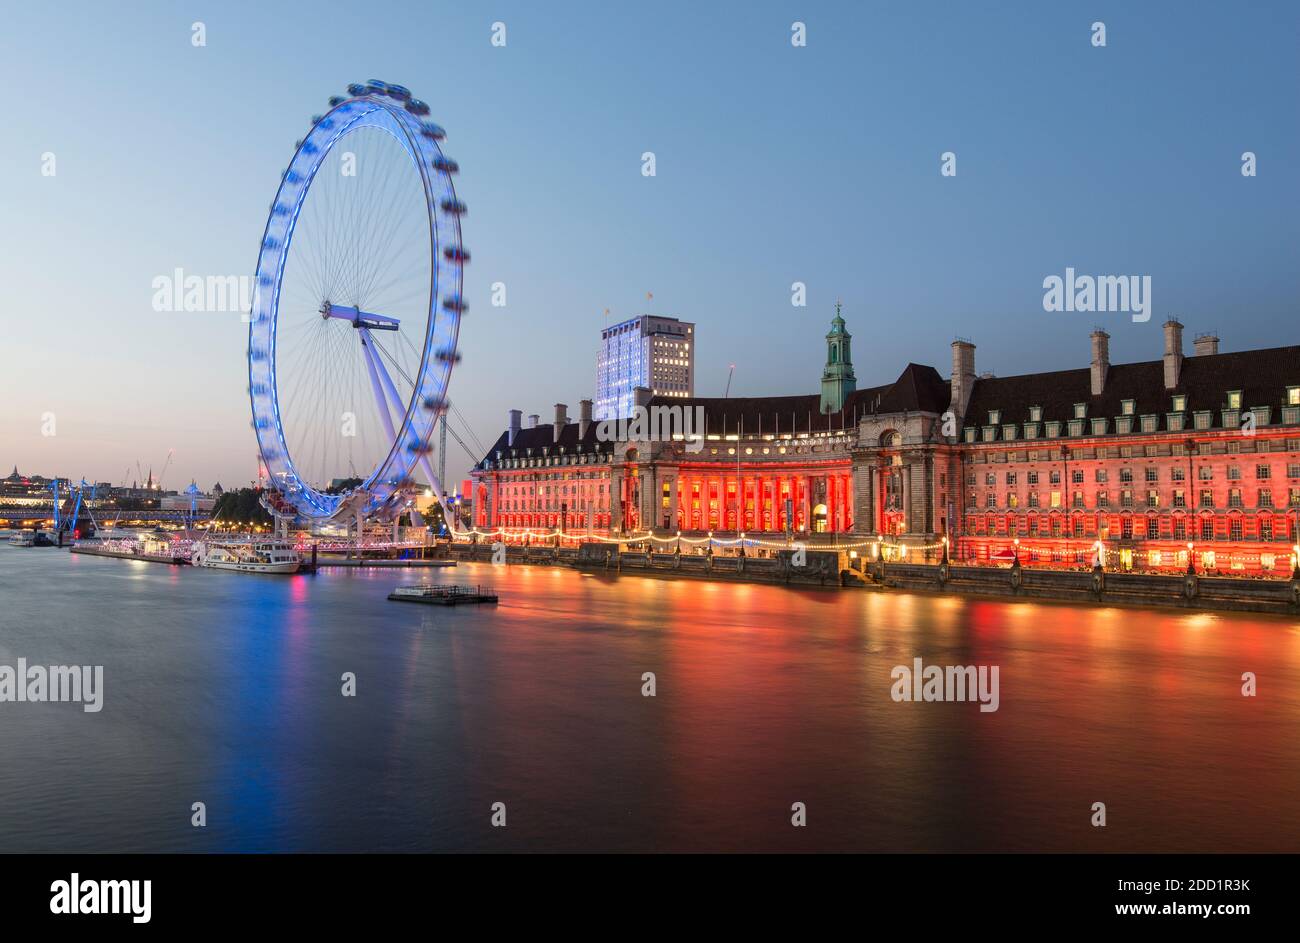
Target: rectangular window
[[1009, 432], [1053, 430], [1234, 399], [1054, 477], [1011, 478], [1174, 422], [1265, 498], [1234, 472], [1101, 475], [1205, 473], [1033, 499], [1035, 414], [1099, 427], [995, 416], [1179, 403], [1153, 474], [1103, 499], [1202, 420], [1080, 410], [1180, 498], [1076, 427], [1153, 498], [1234, 497], [1126, 407], [1263, 471], [1293, 395], [1207, 498], [1126, 475], [1126, 499], [970, 433]]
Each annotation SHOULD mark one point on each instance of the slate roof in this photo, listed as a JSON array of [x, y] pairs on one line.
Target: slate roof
[[918, 388], [1261, 375]]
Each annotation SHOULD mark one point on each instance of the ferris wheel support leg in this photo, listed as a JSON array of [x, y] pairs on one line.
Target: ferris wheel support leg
[[380, 376], [373, 366]]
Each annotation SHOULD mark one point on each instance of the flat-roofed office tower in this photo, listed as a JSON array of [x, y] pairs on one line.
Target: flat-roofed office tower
[[648, 351]]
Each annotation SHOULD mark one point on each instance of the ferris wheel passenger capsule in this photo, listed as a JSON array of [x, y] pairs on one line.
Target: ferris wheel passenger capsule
[[449, 356], [417, 107], [445, 164], [400, 92], [356, 90], [432, 131], [434, 403], [336, 100], [455, 207], [455, 304], [456, 254]]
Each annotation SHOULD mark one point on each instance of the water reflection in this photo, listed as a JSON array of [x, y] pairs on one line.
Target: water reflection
[[225, 689]]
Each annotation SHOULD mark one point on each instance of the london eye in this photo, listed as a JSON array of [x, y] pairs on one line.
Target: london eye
[[356, 310]]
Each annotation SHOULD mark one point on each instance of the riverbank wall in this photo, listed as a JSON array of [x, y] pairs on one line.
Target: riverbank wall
[[839, 570]]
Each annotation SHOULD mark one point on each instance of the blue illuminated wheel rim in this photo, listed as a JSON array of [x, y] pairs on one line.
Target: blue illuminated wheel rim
[[339, 253]]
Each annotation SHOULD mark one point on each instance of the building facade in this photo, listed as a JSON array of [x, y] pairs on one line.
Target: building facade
[[653, 352], [1147, 466]]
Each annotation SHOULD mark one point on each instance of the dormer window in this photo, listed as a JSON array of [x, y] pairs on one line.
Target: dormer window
[[1180, 403], [1080, 410], [1127, 406], [1293, 395], [1035, 414], [1234, 399], [995, 416]]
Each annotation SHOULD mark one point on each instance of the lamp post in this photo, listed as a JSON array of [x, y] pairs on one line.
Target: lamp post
[[1191, 558]]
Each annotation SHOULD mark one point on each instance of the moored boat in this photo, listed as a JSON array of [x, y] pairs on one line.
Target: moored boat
[[253, 556]]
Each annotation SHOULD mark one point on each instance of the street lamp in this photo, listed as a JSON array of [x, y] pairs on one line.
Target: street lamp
[[1191, 559]]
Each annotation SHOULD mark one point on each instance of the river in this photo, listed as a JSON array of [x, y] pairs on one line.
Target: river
[[226, 689]]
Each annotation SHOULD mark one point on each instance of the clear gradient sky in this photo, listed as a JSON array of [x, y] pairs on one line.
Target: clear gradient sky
[[774, 164]]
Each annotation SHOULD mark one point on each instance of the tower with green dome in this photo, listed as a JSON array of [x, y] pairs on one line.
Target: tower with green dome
[[837, 378]]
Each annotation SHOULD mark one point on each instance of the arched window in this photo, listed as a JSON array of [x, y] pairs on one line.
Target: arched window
[[835, 353]]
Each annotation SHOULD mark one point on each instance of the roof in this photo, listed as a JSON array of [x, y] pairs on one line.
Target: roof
[[918, 388], [1261, 375], [543, 436]]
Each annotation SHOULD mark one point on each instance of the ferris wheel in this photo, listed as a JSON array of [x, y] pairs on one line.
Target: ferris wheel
[[356, 309]]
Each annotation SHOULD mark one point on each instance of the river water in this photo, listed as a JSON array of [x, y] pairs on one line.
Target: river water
[[225, 689]]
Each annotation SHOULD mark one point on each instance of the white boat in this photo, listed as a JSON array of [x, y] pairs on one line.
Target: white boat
[[23, 538], [253, 556]]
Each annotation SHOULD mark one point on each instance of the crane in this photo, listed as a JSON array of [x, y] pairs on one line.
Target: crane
[[158, 483], [730, 374]]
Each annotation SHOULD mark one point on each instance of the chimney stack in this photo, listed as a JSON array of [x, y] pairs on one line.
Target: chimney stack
[[515, 416], [584, 417], [963, 376], [561, 419], [533, 419], [1100, 360], [1173, 353], [1206, 344]]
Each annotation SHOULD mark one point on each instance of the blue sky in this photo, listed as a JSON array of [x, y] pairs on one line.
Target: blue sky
[[775, 164]]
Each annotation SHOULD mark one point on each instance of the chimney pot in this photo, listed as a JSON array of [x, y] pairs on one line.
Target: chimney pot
[[1173, 353], [1100, 360], [561, 419], [533, 420], [584, 417], [963, 376]]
